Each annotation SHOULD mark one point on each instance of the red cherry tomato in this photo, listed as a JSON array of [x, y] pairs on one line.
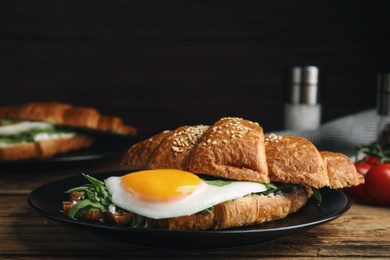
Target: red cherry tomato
[[359, 192], [377, 184], [362, 168], [371, 160]]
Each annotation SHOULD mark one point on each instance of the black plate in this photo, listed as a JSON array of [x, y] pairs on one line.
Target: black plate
[[68, 159], [48, 198]]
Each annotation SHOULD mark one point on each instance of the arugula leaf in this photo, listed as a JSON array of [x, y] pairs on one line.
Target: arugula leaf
[[218, 183], [96, 197], [93, 180], [206, 211], [5, 122], [275, 187], [82, 206], [138, 221], [317, 195]]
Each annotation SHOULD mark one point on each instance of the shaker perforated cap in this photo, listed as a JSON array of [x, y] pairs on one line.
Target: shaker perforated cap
[[303, 85], [383, 94]]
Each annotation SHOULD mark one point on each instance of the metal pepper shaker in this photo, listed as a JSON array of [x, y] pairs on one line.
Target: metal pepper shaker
[[302, 109], [383, 109]]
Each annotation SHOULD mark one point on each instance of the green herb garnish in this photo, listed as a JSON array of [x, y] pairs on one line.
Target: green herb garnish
[[218, 183], [317, 195], [138, 221], [5, 122], [96, 197]]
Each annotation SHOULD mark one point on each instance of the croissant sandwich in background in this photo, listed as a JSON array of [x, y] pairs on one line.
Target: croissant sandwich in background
[[216, 177], [45, 129]]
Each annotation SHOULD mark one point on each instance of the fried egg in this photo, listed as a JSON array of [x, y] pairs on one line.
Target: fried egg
[[167, 193]]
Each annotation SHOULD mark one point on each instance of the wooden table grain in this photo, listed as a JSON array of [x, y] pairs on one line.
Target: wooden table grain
[[362, 232]]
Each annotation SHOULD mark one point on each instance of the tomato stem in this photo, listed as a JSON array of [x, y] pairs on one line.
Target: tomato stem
[[375, 150]]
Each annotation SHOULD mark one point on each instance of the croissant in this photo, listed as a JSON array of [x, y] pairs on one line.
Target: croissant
[[30, 114], [235, 148]]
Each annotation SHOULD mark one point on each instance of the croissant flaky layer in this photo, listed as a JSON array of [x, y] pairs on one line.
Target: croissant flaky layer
[[235, 148]]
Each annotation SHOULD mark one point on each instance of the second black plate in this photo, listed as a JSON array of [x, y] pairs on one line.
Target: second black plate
[[103, 148]]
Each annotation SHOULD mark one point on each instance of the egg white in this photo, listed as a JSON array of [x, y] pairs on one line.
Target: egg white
[[204, 197]]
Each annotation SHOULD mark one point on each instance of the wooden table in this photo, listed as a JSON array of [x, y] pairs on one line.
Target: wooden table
[[363, 232]]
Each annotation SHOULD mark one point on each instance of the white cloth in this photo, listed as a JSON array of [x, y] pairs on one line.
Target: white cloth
[[341, 134]]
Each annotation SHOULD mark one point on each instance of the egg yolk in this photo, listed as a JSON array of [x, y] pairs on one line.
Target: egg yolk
[[163, 185]]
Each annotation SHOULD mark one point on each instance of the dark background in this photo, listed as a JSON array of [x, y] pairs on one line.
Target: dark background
[[162, 64]]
